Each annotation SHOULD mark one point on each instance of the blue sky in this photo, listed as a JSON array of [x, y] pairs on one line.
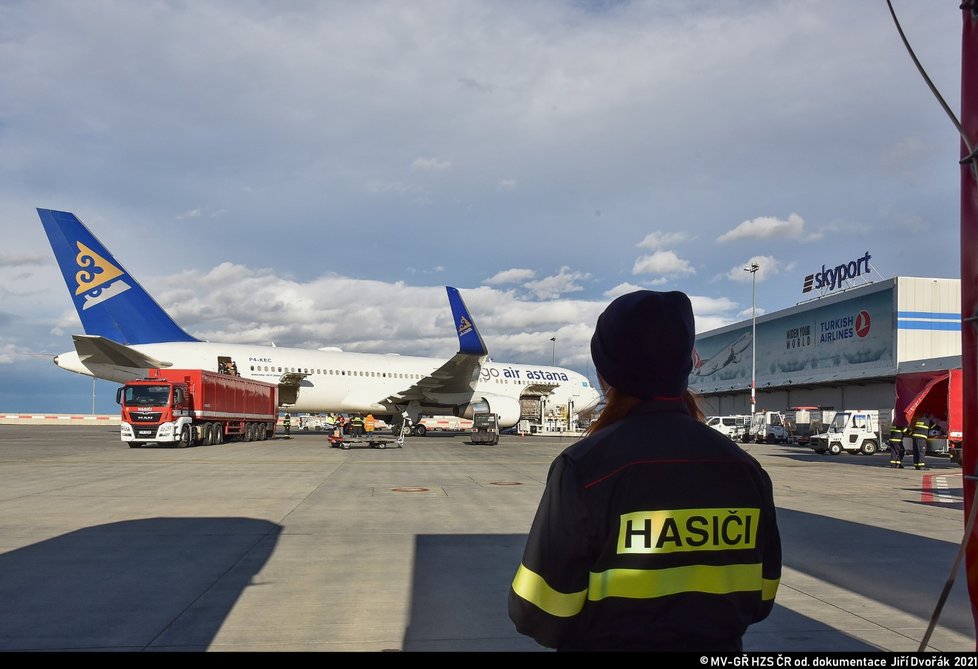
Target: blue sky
[[314, 174]]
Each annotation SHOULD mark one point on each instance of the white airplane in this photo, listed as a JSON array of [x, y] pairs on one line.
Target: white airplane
[[127, 333], [725, 356]]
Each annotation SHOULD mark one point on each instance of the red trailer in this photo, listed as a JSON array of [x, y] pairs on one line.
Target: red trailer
[[195, 406]]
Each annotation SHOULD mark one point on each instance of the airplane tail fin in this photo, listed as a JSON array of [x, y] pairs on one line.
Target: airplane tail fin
[[469, 339], [109, 302]]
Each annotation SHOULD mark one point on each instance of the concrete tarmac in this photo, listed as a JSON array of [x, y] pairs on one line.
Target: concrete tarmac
[[289, 545]]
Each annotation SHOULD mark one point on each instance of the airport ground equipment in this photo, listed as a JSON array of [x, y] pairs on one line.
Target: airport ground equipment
[[766, 427], [485, 429], [346, 442], [853, 430], [803, 423], [732, 426], [186, 407]]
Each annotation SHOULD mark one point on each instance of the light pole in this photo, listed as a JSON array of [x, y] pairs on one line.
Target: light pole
[[753, 335], [553, 355]]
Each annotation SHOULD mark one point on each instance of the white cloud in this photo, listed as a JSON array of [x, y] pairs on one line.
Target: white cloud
[[430, 165], [622, 289], [658, 239], [510, 276], [506, 185], [662, 262], [767, 267], [193, 213], [771, 227], [552, 287], [8, 260]]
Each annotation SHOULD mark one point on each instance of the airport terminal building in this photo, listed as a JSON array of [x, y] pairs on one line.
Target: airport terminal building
[[842, 350]]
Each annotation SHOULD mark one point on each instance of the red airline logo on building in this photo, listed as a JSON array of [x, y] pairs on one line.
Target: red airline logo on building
[[862, 323]]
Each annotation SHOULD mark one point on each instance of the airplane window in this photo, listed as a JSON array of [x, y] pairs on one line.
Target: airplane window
[[252, 368], [343, 373]]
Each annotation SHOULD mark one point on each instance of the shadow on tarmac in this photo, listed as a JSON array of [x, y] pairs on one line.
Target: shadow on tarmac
[[904, 571], [156, 584], [461, 584]]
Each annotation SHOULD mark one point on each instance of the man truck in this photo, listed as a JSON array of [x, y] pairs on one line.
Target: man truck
[[194, 406]]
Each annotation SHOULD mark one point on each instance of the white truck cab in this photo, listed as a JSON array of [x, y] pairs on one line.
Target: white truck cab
[[854, 430], [767, 427]]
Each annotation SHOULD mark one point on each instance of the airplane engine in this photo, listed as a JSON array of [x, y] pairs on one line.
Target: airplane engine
[[507, 408]]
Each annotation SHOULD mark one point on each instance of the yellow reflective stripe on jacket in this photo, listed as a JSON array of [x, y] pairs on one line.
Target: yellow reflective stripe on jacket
[[651, 583], [533, 588]]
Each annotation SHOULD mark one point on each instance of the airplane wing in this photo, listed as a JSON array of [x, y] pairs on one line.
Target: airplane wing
[[96, 350], [460, 373]]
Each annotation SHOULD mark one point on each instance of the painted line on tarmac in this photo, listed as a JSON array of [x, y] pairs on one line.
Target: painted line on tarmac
[[936, 489]]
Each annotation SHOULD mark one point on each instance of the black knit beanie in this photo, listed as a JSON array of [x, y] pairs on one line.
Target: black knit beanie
[[643, 344]]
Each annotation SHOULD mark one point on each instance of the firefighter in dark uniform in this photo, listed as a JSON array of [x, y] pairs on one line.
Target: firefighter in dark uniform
[[920, 432], [655, 532], [287, 424], [895, 440], [356, 425]]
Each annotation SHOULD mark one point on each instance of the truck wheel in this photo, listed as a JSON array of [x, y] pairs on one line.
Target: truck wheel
[[249, 432], [868, 447], [185, 439], [421, 430], [835, 449], [134, 444], [345, 446], [207, 434], [218, 433]]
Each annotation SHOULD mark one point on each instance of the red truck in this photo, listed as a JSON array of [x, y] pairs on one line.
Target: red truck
[[938, 393], [195, 406]]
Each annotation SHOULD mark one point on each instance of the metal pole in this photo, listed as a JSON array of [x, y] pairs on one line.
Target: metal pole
[[553, 358], [93, 395], [753, 336]]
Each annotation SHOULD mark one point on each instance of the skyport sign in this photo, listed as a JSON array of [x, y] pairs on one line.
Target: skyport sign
[[830, 278]]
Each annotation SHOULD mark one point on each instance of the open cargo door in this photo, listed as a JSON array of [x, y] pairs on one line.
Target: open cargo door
[[921, 392]]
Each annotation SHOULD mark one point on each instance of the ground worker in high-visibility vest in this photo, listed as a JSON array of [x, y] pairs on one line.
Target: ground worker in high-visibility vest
[[895, 440], [369, 423], [356, 425], [920, 432]]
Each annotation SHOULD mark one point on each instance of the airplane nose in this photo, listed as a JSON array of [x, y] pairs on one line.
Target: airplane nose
[[55, 360]]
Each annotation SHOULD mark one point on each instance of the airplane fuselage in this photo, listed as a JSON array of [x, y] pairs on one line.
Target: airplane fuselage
[[340, 381]]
